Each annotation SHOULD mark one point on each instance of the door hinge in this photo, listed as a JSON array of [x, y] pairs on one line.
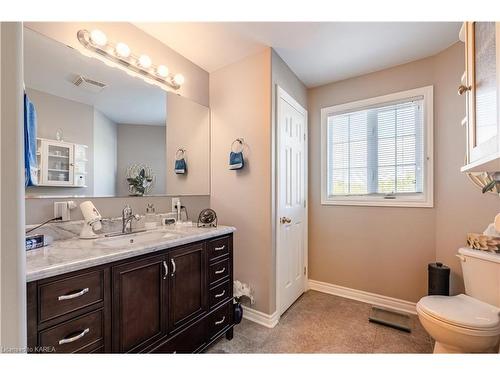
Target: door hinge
[[304, 136], [305, 271]]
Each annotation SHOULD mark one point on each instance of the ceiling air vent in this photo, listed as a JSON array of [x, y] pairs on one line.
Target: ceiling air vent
[[89, 84]]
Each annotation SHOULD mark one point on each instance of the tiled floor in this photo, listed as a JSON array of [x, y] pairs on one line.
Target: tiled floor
[[322, 323]]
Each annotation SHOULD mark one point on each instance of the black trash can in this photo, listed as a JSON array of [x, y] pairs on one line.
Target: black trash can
[[439, 279]]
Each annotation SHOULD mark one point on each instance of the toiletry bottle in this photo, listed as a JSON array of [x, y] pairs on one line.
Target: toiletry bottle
[[151, 218]]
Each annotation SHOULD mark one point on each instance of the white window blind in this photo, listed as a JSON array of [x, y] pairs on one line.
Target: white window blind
[[378, 150]]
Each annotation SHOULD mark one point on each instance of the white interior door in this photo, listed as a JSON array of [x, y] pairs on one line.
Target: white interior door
[[291, 212]]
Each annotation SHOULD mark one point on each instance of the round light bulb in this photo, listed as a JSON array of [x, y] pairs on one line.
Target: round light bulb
[[122, 50], [144, 61], [98, 38], [179, 79], [162, 71]]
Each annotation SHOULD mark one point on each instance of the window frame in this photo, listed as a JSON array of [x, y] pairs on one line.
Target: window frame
[[425, 199]]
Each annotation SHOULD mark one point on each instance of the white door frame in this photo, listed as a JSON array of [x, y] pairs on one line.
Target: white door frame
[[282, 94]]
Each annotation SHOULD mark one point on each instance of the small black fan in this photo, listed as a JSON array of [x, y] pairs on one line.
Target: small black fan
[[207, 218]]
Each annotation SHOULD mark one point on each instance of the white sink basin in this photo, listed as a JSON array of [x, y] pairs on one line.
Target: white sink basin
[[135, 238]]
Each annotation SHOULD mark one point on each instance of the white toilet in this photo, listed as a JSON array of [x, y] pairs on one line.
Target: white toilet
[[467, 323]]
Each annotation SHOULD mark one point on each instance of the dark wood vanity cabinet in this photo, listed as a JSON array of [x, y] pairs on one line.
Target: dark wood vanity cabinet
[[178, 300], [140, 303]]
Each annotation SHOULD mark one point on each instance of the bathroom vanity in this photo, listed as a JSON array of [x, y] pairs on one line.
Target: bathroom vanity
[[162, 291]]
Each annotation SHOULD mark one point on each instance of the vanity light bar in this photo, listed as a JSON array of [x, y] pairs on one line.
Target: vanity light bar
[[96, 41]]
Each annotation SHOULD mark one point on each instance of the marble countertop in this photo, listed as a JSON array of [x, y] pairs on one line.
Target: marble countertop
[[75, 254]]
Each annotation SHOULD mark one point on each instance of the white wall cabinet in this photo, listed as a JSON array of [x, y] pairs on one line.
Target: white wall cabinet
[[480, 84], [61, 163]]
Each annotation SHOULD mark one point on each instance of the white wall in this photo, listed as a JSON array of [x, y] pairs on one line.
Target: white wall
[[12, 254], [105, 152]]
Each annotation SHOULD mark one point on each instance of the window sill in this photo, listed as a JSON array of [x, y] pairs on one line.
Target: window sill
[[401, 202]]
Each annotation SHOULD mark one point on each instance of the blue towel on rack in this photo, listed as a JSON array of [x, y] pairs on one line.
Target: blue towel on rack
[[30, 162], [236, 160], [180, 166]]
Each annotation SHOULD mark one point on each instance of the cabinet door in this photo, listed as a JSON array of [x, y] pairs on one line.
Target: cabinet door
[[58, 163], [140, 291], [188, 284], [482, 86]]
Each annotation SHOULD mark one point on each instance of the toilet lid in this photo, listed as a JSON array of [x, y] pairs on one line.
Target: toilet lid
[[462, 310]]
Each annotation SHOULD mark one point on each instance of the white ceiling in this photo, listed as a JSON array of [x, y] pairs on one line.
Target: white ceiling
[[318, 52], [51, 67]]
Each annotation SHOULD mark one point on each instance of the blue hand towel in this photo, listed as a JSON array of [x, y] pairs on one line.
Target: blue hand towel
[[30, 162], [180, 166], [236, 160]]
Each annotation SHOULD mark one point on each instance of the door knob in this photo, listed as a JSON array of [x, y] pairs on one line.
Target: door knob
[[285, 220], [462, 89]]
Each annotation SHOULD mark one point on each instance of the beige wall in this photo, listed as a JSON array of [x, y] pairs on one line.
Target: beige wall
[[460, 206], [240, 103], [195, 88], [188, 127], [12, 253], [385, 250], [41, 209]]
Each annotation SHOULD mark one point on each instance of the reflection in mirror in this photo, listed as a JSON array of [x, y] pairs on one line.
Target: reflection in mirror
[[100, 131]]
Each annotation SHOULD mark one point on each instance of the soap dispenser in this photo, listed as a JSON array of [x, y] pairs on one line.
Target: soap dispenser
[[151, 218]]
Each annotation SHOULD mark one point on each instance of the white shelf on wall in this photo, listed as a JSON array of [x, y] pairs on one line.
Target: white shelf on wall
[[66, 186], [67, 159]]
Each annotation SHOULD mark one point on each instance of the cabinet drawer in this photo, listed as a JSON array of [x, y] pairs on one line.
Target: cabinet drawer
[[187, 341], [218, 271], [219, 320], [218, 248], [77, 335], [70, 294], [220, 293]]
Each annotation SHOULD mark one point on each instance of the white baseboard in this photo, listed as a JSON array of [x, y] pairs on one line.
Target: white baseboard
[[359, 295], [266, 320]]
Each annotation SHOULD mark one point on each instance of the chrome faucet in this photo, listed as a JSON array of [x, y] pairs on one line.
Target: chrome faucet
[[127, 217]]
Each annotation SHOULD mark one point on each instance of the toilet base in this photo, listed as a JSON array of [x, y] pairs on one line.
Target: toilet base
[[440, 348]]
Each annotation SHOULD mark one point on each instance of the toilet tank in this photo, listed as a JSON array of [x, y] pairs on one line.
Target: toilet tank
[[481, 272]]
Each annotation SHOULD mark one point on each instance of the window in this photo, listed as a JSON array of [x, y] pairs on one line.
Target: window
[[378, 152]]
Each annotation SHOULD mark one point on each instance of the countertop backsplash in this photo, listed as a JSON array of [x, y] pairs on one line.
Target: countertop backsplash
[[65, 230]]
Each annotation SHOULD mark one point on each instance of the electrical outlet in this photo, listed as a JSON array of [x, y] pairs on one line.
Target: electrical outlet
[[174, 203]]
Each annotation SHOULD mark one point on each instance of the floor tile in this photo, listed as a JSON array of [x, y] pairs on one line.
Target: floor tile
[[322, 323]]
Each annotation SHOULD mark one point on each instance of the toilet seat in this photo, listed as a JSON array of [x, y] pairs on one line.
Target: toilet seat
[[462, 312]]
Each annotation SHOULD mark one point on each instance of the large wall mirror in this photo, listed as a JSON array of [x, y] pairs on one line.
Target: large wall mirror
[[101, 132]]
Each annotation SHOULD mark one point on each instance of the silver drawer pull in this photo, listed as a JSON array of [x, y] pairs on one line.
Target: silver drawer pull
[[220, 294], [74, 295], [74, 338], [220, 248], [220, 271], [220, 321]]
